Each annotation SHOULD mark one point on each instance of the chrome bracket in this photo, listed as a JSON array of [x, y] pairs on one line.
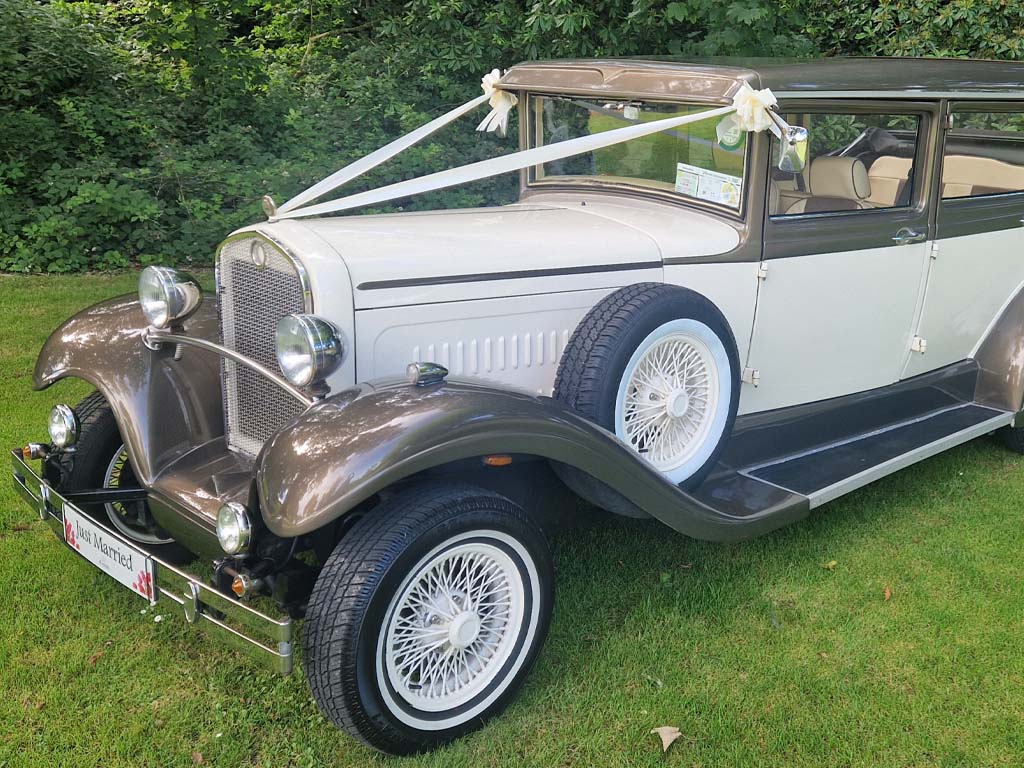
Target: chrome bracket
[[751, 376], [191, 603]]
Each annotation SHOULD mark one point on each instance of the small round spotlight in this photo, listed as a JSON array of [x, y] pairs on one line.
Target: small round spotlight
[[309, 349], [234, 531], [63, 426]]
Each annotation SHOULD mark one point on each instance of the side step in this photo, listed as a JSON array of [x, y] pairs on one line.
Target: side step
[[826, 472]]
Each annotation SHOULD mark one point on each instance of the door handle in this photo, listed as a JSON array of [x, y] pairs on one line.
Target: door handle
[[906, 236]]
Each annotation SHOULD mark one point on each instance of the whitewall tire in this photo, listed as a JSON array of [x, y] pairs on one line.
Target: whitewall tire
[[427, 617], [656, 365]]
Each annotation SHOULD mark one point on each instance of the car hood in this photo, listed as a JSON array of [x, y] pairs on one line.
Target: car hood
[[530, 247]]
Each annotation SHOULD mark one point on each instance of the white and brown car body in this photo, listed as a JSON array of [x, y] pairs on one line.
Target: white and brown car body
[[873, 301]]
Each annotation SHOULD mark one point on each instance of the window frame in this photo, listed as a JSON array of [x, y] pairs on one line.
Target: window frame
[[529, 182], [959, 216], [821, 232]]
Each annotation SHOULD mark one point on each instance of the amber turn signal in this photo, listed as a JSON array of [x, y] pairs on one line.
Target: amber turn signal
[[498, 460]]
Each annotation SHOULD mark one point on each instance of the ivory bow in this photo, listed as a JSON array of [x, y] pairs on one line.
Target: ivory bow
[[501, 103]]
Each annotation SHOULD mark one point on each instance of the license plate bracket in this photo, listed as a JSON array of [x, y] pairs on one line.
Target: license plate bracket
[[120, 560]]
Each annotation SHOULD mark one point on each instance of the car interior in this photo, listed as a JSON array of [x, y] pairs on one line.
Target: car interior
[[876, 168]]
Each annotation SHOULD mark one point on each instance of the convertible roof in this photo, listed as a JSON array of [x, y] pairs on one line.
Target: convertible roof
[[718, 78]]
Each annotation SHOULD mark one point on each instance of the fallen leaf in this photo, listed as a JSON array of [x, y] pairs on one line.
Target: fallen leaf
[[823, 655], [39, 705], [20, 527], [94, 658], [668, 734], [686, 566], [197, 758], [887, 594], [830, 565]]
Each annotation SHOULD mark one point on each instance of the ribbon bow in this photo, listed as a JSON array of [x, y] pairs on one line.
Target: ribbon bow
[[752, 109], [501, 103]]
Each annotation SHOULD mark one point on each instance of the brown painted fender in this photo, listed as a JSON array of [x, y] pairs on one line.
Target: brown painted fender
[[163, 406], [352, 445]]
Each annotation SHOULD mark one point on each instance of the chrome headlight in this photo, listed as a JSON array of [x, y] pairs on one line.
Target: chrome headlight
[[167, 295], [309, 349], [63, 426], [234, 530]]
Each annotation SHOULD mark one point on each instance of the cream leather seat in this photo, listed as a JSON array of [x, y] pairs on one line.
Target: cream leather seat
[[965, 175], [836, 184], [889, 176]]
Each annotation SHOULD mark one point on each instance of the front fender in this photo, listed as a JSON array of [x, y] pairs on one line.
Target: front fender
[[358, 442], [164, 407]]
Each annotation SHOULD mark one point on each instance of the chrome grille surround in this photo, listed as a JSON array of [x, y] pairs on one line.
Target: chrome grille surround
[[254, 293]]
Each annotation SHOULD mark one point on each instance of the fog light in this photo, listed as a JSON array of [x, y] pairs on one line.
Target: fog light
[[63, 426], [309, 349], [234, 530]]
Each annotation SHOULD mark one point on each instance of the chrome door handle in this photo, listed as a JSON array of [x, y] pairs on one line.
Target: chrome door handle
[[906, 236]]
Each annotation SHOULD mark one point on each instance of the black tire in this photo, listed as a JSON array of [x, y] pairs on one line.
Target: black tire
[[356, 598], [596, 357], [99, 440], [1012, 438]]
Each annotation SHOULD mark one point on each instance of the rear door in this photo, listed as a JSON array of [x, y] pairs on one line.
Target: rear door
[[977, 262], [844, 261]]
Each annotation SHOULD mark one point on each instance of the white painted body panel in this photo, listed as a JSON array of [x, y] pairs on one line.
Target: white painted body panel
[[833, 324], [467, 310], [969, 282]]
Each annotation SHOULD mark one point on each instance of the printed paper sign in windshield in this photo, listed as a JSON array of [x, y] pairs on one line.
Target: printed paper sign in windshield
[[708, 185]]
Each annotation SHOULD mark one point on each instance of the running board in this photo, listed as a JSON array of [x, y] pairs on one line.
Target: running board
[[829, 471]]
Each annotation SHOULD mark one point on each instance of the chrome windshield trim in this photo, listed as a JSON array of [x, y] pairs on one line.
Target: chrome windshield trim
[[153, 336]]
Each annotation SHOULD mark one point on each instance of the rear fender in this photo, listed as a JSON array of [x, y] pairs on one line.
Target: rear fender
[[358, 442], [164, 407]]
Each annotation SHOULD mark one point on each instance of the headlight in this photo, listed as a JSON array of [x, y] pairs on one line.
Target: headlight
[[167, 295], [309, 349], [233, 528], [63, 426]]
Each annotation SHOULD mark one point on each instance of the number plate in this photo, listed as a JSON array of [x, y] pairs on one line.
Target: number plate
[[129, 565]]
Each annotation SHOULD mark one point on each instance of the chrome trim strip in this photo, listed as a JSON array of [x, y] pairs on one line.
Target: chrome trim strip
[[897, 463], [300, 269], [152, 336], [201, 603]]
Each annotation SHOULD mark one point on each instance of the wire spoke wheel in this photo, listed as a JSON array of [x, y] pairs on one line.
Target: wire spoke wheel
[[669, 399], [454, 626], [131, 518]]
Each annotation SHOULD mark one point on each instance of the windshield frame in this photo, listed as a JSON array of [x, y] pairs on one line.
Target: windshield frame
[[531, 183]]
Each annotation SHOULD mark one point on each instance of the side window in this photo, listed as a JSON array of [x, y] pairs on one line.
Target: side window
[[855, 162], [984, 154]]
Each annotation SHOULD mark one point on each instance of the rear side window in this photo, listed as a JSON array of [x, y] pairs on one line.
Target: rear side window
[[984, 154]]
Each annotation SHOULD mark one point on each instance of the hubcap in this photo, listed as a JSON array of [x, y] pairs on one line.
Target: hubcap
[[671, 396], [454, 626]]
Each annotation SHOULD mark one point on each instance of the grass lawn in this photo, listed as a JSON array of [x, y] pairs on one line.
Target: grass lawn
[[784, 651]]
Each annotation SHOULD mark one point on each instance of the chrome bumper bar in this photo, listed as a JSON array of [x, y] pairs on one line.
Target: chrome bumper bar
[[268, 638]]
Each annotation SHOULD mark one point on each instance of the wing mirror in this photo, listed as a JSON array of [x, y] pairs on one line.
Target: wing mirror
[[793, 149]]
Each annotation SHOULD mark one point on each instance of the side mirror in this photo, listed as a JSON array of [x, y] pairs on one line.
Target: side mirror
[[793, 149]]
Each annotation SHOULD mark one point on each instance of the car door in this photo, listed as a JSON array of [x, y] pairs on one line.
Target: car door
[[844, 255], [977, 262]]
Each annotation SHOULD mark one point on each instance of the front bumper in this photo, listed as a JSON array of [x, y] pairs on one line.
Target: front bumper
[[269, 639]]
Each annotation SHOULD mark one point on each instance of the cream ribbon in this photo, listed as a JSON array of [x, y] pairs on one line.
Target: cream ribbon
[[754, 117], [502, 102]]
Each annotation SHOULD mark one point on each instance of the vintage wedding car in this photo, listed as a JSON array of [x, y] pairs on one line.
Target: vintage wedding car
[[684, 317]]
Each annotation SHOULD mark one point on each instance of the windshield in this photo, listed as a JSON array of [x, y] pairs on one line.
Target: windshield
[[688, 161]]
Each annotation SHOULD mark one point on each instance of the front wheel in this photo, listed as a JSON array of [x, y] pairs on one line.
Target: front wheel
[[427, 617]]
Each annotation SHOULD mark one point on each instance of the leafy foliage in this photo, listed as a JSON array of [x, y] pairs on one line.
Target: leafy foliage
[[145, 130]]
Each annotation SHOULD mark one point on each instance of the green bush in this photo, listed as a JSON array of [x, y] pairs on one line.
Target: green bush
[[146, 130]]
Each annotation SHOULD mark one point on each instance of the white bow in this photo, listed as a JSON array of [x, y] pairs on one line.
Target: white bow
[[752, 109], [501, 103]]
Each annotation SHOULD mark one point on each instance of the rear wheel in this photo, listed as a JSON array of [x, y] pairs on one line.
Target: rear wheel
[[1012, 438], [427, 617], [99, 460]]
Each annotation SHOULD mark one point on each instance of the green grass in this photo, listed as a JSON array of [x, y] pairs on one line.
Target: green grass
[[758, 653]]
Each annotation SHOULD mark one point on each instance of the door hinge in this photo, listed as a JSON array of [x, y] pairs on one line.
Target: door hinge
[[762, 271], [751, 376], [934, 249], [917, 344]]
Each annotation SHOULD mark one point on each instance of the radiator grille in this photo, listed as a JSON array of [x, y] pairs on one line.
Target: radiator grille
[[253, 297]]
